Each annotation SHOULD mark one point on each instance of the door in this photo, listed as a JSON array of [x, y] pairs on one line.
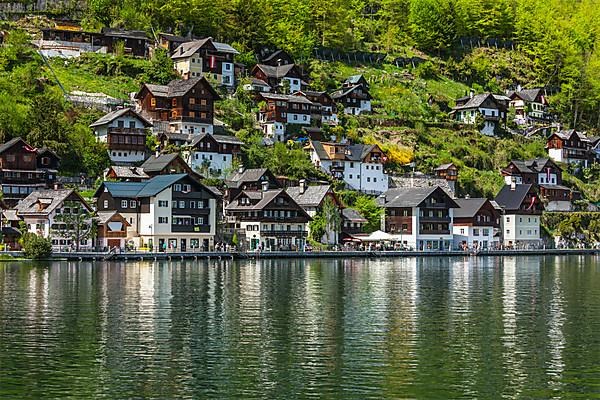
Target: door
[[162, 245], [183, 245]]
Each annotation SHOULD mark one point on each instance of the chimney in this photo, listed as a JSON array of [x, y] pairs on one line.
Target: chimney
[[513, 186], [467, 196], [157, 151], [471, 93], [279, 62], [241, 169], [302, 186], [265, 186]]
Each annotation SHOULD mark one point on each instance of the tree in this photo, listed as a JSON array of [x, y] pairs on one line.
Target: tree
[[35, 247], [76, 225], [160, 71], [327, 221]]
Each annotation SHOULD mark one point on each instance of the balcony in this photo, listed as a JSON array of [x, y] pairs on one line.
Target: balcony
[[434, 232], [434, 219], [275, 232], [337, 167], [190, 228], [127, 131]]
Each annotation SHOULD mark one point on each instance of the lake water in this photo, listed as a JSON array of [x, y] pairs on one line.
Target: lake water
[[514, 327]]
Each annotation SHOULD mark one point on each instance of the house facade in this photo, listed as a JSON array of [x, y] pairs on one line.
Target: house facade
[[213, 155], [327, 111], [206, 57], [172, 212], [182, 106], [491, 108], [285, 79], [281, 110], [125, 132], [360, 166], [476, 225], [269, 219], [569, 147], [546, 176], [60, 215], [24, 170], [420, 218], [112, 230], [521, 213], [531, 106], [355, 99]]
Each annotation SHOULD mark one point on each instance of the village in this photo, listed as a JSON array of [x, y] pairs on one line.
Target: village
[[158, 200]]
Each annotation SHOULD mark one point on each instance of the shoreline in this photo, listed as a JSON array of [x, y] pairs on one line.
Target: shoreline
[[100, 256]]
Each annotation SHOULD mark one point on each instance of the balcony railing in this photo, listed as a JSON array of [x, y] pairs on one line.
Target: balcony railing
[[276, 232], [190, 228], [128, 131]]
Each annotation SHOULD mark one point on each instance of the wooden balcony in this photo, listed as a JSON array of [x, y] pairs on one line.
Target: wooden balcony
[[190, 228]]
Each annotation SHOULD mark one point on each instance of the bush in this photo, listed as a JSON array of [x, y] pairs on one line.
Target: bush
[[36, 247]]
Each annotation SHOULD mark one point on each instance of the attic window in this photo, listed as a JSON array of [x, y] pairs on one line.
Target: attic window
[[153, 102], [45, 161], [174, 102]]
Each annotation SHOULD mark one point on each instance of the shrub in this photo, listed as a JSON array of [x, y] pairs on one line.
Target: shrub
[[36, 247]]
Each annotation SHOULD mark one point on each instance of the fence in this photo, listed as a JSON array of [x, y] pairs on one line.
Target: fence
[[328, 54]]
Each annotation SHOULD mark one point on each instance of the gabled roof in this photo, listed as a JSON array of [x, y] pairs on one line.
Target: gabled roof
[[511, 200], [156, 164], [568, 135], [468, 207], [444, 167], [286, 97], [50, 199], [535, 165], [11, 143], [338, 94], [261, 199], [352, 215], [528, 94], [187, 49], [236, 179], [148, 188], [195, 139], [105, 216], [124, 34], [124, 172], [476, 101], [178, 87], [111, 116], [278, 72], [274, 55], [355, 79], [411, 197], [313, 196], [357, 152]]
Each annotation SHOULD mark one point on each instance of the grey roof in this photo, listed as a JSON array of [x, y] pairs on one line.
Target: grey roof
[[475, 101], [194, 139], [124, 34], [512, 199], [273, 55], [444, 167], [468, 207], [155, 164], [187, 49], [410, 197], [264, 198], [111, 116], [554, 187], [259, 82], [278, 72], [354, 79], [567, 134], [286, 97], [531, 166], [178, 87], [249, 175], [104, 216], [49, 198], [529, 94], [312, 197], [10, 143], [148, 188], [126, 172], [354, 152], [350, 214], [344, 92]]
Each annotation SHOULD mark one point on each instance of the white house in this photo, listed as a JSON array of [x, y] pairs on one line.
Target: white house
[[492, 108], [54, 214], [125, 133], [360, 166], [521, 212], [476, 224], [167, 213], [419, 218], [213, 154], [531, 105], [355, 99], [206, 57]]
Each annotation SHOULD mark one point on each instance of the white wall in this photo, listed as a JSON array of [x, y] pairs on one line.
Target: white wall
[[521, 228], [190, 128], [295, 84], [217, 161], [302, 119]]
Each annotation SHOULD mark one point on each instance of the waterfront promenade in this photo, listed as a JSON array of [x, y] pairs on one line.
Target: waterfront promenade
[[237, 255]]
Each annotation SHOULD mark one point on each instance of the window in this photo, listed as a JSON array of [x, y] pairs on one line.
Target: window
[[192, 100], [486, 232], [202, 102], [462, 231], [295, 117], [304, 117], [181, 204], [123, 203], [188, 188], [105, 204], [132, 204], [475, 232], [163, 203], [174, 102], [153, 102], [178, 187], [163, 220]]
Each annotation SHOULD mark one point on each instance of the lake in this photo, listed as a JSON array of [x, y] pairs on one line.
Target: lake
[[512, 327]]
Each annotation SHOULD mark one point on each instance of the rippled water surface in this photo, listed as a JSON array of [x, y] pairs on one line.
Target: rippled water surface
[[512, 327]]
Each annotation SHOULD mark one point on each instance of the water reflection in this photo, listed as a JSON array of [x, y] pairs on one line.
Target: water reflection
[[433, 328]]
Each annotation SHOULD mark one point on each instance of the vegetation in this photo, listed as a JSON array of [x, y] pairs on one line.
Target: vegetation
[[573, 228], [35, 247]]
